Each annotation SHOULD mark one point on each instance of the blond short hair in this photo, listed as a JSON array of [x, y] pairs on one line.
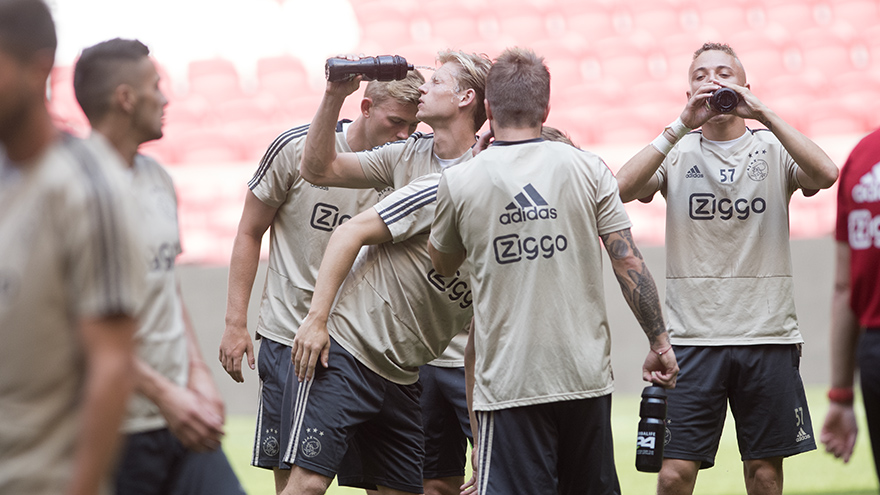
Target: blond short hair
[[553, 134], [404, 91], [472, 73]]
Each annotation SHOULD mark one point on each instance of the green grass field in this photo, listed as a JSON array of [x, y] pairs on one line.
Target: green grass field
[[811, 473]]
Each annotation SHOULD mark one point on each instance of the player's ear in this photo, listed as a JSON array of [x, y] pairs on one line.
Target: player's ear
[[467, 97], [366, 106], [124, 97]]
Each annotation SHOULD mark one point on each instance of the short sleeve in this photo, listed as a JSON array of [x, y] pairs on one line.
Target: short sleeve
[[379, 163], [410, 210], [610, 213], [445, 236], [278, 169], [103, 251]]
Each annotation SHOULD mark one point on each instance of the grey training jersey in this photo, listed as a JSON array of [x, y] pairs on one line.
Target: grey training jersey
[[68, 251], [161, 337], [307, 215], [728, 261], [529, 214], [393, 312]]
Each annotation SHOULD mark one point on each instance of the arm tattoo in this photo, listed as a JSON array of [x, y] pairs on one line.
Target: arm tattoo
[[636, 282]]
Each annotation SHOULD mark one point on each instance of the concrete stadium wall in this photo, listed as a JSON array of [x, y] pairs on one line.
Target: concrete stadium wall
[[204, 290]]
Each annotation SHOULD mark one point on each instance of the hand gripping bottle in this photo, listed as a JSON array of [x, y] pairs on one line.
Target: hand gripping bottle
[[652, 430], [381, 68]]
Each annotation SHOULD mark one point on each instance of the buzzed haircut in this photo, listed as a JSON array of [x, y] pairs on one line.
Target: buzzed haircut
[[26, 27], [721, 47], [97, 73], [405, 91], [472, 73], [518, 89]]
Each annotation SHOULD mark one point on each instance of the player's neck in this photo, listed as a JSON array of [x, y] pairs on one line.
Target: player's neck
[[119, 136], [356, 136], [724, 130], [516, 134], [31, 136], [451, 141]]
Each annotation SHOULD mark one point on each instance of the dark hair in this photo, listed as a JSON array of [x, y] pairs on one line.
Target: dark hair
[[26, 27], [97, 73], [518, 88]]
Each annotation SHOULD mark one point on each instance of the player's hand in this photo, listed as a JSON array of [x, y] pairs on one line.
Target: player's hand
[[661, 369], [201, 381], [341, 89], [312, 343], [470, 487], [839, 431], [191, 420], [749, 107], [697, 110], [483, 142], [234, 345]]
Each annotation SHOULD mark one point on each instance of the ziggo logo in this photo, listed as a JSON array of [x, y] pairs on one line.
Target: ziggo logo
[[511, 248]]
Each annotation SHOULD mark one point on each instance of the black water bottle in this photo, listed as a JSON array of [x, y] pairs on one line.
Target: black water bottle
[[652, 430], [381, 68], [724, 100]]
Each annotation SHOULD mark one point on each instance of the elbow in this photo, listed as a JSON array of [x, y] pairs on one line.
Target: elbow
[[830, 177]]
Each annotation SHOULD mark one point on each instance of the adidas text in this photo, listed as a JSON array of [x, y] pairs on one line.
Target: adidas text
[[518, 216]]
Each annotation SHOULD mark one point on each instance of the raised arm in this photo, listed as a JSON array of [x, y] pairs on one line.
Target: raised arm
[[636, 178], [312, 340], [840, 428], [236, 342], [321, 164], [816, 170], [109, 350], [641, 294]]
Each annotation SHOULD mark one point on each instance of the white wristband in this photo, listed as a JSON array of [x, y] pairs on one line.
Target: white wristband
[[661, 143]]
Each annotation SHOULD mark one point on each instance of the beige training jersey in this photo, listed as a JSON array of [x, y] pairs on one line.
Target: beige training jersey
[[529, 214], [728, 261], [399, 163], [307, 215], [68, 251], [393, 312], [161, 337], [396, 165]]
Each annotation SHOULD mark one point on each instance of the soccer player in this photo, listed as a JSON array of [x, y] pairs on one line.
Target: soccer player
[[71, 280], [394, 313], [175, 422], [855, 317], [302, 217], [729, 282], [527, 215]]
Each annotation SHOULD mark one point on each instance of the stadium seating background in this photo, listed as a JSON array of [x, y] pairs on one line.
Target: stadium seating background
[[618, 76]]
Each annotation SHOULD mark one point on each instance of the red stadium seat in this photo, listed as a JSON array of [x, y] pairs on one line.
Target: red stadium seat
[[861, 14], [215, 79], [281, 76]]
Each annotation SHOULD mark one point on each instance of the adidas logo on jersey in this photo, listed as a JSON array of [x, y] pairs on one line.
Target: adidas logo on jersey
[[868, 188], [694, 173], [801, 436], [527, 205]]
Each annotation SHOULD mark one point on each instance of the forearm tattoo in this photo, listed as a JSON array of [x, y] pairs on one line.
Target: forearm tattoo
[[636, 283]]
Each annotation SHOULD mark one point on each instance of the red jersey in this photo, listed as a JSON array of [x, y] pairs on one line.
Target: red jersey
[[858, 224]]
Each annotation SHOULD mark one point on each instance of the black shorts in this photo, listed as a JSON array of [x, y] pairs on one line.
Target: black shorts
[[275, 415], [561, 447], [763, 385], [156, 463], [869, 375], [360, 427], [445, 420]]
